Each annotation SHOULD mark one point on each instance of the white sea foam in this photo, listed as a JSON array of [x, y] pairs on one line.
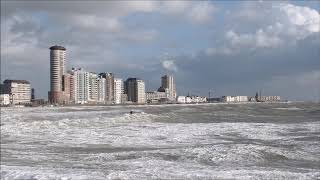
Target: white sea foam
[[158, 142]]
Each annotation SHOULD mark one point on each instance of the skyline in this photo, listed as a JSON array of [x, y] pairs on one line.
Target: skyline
[[207, 45]]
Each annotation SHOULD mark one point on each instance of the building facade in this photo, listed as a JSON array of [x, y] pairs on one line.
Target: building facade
[[109, 90], [4, 99], [140, 92], [118, 90], [19, 91], [66, 88], [135, 90], [57, 70], [268, 98], [156, 97], [167, 83], [81, 86], [101, 90], [235, 98], [93, 88], [191, 99]]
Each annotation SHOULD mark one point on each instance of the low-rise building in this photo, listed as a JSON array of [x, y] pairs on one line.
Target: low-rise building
[[191, 99], [156, 97], [198, 99], [235, 99], [4, 99], [19, 90], [268, 98], [181, 99]]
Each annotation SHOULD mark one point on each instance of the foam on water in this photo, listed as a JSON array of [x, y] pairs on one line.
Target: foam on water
[[247, 141]]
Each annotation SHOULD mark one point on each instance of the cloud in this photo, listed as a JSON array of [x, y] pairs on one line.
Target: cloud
[[198, 12], [249, 49], [88, 22], [260, 39], [202, 12], [267, 26], [303, 17], [169, 65]]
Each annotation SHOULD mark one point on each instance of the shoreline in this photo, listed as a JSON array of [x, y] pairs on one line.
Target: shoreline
[[164, 104]]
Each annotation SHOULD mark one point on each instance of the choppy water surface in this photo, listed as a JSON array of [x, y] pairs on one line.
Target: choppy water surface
[[217, 141]]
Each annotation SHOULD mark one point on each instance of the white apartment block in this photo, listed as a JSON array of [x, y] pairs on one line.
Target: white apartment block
[[167, 82], [81, 86], [269, 98], [4, 99], [93, 87], [101, 89], [20, 90], [181, 99], [191, 99], [140, 92], [235, 99], [118, 90]]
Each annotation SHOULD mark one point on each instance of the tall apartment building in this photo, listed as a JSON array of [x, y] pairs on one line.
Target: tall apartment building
[[101, 89], [118, 90], [81, 86], [167, 83], [57, 70], [135, 90], [109, 97], [140, 93], [72, 86], [19, 91], [93, 87], [87, 87], [66, 88]]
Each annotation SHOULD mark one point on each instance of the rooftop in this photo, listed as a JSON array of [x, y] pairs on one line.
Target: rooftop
[[16, 81], [56, 47]]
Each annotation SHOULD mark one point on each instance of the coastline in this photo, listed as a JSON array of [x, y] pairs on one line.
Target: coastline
[[158, 104]]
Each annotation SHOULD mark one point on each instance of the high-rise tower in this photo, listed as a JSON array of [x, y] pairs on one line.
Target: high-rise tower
[[167, 83], [57, 70], [135, 89], [109, 97]]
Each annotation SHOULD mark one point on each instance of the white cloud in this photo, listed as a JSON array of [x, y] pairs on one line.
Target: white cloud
[[141, 6], [264, 39], [260, 39], [195, 11], [94, 22], [201, 12], [272, 23], [175, 7], [169, 65], [305, 17]]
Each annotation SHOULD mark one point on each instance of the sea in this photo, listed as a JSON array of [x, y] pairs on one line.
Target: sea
[[199, 141]]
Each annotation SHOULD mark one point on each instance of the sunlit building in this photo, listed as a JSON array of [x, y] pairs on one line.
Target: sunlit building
[[118, 90], [57, 70], [19, 91]]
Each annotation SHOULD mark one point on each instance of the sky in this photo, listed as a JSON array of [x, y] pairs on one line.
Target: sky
[[225, 47]]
